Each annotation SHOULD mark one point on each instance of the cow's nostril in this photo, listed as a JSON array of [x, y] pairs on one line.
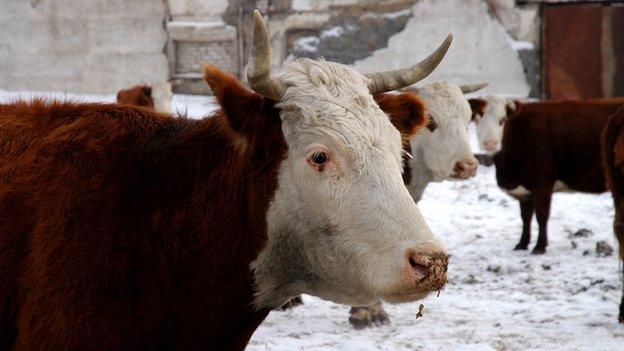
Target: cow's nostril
[[419, 264]]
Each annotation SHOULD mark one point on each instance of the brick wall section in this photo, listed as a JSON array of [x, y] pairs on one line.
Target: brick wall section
[[191, 56]]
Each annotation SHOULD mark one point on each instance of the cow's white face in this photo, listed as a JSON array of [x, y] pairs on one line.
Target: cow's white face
[[342, 224], [444, 146], [490, 125], [161, 95]]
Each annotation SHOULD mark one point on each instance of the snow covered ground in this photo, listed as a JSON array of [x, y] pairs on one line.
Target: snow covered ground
[[496, 298]]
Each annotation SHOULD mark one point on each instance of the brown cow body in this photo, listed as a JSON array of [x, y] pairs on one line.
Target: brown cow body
[[111, 235], [613, 155], [547, 147], [140, 95], [157, 96]]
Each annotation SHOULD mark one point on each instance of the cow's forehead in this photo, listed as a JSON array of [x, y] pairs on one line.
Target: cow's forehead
[[496, 106], [445, 100], [335, 99]]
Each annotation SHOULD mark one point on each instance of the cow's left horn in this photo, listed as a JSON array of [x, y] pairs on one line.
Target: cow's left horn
[[259, 68], [471, 88], [400, 78]]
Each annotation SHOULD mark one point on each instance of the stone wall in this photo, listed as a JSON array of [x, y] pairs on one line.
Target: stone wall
[[86, 46]]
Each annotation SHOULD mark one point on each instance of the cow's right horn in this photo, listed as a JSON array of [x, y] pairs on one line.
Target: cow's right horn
[[396, 79], [259, 67], [470, 88]]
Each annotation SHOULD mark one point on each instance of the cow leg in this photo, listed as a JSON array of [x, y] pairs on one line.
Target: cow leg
[[541, 202], [294, 302], [378, 314], [360, 317], [365, 316], [526, 212], [618, 229], [621, 317]]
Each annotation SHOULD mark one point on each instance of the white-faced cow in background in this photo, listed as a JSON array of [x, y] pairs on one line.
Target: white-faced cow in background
[[490, 114], [439, 152], [442, 150]]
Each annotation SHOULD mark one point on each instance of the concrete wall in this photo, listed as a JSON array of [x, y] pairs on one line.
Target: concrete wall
[[86, 46], [480, 51], [495, 40]]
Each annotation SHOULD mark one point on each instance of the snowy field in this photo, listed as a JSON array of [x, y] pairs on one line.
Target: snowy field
[[496, 298]]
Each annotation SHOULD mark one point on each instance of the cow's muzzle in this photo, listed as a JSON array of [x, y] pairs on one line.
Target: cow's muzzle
[[465, 169]]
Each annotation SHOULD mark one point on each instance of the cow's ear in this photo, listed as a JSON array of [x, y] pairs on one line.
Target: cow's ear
[[478, 108], [511, 107], [407, 112], [238, 102]]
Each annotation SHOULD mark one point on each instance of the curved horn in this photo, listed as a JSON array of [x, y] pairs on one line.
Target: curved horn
[[259, 68], [400, 78], [470, 88]]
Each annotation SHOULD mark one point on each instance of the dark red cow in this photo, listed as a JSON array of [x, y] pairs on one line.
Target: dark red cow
[[126, 229], [548, 147], [157, 96], [138, 95], [613, 157]]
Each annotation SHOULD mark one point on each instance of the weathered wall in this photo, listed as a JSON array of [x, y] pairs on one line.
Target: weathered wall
[[86, 46], [480, 51]]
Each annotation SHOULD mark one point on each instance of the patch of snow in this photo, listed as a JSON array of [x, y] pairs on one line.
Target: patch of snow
[[334, 32], [390, 15], [306, 44], [518, 45]]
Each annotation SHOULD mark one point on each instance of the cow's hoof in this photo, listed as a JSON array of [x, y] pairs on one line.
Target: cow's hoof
[[379, 315], [538, 251], [295, 301], [521, 247], [360, 317]]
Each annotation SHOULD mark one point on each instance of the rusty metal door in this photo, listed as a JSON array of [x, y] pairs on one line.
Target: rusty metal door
[[582, 50]]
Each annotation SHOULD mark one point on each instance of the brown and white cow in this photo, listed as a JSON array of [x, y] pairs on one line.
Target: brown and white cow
[[157, 96], [442, 151], [613, 158], [436, 153], [549, 147], [124, 228]]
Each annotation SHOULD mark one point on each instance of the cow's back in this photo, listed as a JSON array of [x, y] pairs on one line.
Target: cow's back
[[64, 170]]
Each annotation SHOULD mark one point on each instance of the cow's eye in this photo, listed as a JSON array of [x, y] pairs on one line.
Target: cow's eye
[[432, 125], [319, 158], [502, 121]]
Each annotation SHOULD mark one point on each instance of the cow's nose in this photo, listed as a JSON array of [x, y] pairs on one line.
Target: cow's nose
[[426, 267], [490, 145], [466, 169]]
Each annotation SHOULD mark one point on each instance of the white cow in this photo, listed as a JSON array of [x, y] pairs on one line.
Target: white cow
[[490, 115], [442, 151], [439, 152]]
